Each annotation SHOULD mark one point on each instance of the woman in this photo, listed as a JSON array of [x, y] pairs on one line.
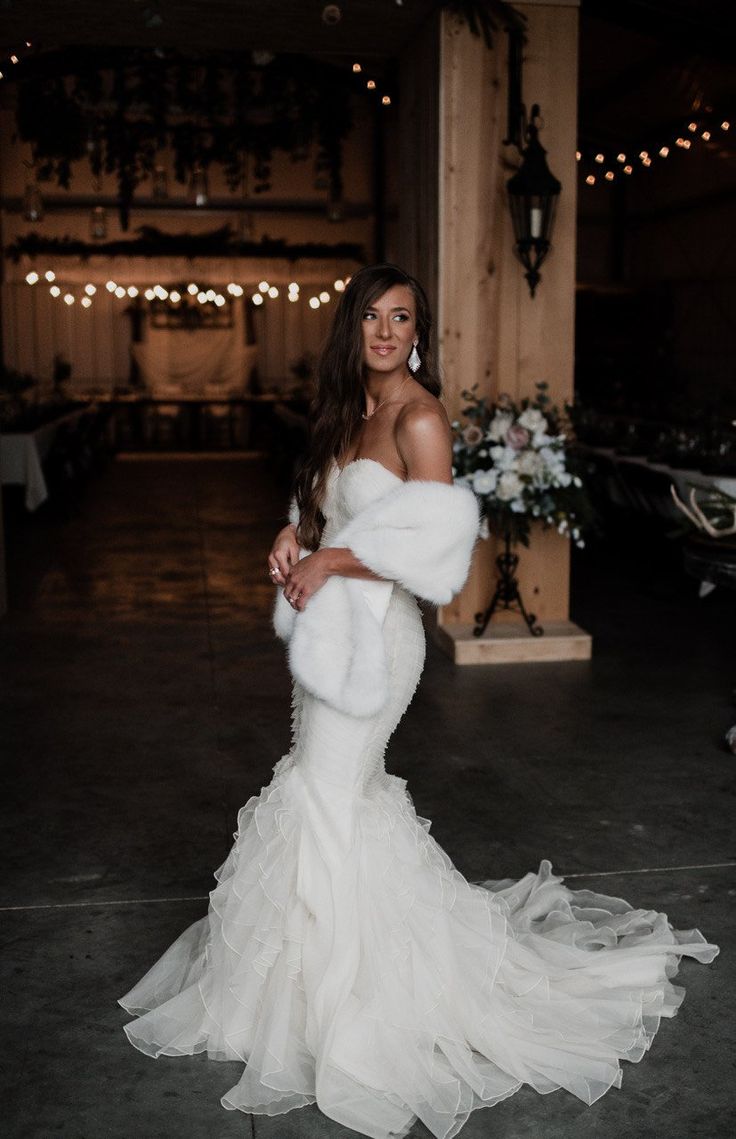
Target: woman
[[344, 958]]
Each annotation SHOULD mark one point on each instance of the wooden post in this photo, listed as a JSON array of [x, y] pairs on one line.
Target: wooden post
[[491, 330]]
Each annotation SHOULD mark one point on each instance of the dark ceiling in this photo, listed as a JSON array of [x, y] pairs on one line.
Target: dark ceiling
[[645, 65], [371, 27]]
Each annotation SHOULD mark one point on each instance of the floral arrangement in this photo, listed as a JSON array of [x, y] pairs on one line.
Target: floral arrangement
[[516, 459]]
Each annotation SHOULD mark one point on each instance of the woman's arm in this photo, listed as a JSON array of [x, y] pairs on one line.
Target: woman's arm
[[424, 442]]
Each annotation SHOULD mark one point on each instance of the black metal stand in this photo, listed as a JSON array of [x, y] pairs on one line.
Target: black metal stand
[[507, 594]]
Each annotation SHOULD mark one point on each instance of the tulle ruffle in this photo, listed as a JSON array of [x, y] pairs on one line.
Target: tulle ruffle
[[388, 987]]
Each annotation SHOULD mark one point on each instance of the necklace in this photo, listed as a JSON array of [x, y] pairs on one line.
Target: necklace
[[388, 399]]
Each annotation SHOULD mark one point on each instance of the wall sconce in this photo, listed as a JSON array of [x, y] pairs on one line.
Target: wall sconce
[[533, 192]]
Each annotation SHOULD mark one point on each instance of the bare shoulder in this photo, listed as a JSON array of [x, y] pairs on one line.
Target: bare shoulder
[[424, 438]]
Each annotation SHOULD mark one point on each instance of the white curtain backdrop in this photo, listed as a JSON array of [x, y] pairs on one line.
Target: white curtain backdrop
[[208, 361]]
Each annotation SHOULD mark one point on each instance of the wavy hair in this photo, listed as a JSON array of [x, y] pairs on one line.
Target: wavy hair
[[336, 410]]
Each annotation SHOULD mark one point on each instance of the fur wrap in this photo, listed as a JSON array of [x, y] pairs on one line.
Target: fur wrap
[[420, 534]]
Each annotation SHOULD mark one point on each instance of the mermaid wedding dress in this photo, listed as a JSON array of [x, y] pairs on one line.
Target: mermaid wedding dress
[[348, 963]]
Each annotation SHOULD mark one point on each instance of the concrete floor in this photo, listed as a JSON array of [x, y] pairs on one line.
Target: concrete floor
[[144, 699]]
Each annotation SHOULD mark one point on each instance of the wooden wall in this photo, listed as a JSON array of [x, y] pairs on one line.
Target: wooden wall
[[491, 331]]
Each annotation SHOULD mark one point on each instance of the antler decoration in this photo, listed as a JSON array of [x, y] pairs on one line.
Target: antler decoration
[[698, 518]]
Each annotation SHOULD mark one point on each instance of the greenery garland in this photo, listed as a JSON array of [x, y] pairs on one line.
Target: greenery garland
[[154, 242], [120, 108]]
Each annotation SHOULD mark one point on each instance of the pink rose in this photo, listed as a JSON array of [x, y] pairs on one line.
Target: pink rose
[[517, 437], [472, 435]]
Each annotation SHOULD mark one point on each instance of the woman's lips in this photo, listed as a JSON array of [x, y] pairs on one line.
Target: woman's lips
[[382, 349]]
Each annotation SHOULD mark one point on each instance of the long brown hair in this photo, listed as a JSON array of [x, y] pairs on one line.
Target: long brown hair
[[336, 409]]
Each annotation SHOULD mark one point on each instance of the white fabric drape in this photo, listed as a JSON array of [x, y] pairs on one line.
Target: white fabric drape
[[205, 361]]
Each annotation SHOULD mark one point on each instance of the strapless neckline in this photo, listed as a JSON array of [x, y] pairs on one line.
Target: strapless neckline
[[375, 462]]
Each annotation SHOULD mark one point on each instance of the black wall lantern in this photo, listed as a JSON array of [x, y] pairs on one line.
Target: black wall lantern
[[533, 193]]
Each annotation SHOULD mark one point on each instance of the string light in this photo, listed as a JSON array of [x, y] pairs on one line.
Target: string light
[[203, 296], [357, 68], [646, 157], [371, 84], [386, 100]]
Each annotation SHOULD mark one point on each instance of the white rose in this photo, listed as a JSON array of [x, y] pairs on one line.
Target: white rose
[[529, 463], [509, 486], [533, 420], [499, 425], [484, 481]]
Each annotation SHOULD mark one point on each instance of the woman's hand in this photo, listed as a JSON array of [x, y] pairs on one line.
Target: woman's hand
[[306, 577], [284, 554]]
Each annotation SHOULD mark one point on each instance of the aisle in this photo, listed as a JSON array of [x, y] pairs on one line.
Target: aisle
[[144, 699]]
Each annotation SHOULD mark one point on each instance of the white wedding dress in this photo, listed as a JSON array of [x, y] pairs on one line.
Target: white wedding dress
[[348, 962]]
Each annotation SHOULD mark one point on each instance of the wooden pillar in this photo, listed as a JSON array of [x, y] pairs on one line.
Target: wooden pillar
[[491, 331]]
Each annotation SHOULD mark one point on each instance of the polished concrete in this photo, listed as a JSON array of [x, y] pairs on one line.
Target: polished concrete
[[143, 699]]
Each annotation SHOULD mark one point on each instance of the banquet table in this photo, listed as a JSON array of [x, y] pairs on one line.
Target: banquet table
[[681, 478], [22, 454]]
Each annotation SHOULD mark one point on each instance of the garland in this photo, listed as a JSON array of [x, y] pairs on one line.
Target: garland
[[154, 243]]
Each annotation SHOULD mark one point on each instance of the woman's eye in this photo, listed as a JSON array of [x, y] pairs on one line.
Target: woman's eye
[[401, 316], [369, 316]]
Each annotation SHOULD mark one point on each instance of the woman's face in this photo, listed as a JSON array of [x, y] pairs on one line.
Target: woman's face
[[389, 329]]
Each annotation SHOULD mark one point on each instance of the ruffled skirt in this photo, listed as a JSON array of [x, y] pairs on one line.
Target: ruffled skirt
[[373, 979]]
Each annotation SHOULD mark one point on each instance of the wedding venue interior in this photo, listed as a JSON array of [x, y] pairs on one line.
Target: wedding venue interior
[[186, 191]]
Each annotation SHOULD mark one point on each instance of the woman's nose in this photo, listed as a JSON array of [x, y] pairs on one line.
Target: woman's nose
[[384, 328]]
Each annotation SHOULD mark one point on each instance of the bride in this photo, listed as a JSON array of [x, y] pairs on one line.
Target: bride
[[344, 959]]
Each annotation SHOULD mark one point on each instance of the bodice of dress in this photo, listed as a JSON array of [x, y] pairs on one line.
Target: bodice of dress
[[350, 489]]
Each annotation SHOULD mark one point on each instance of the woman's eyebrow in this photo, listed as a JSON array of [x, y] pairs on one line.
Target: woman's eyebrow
[[396, 308]]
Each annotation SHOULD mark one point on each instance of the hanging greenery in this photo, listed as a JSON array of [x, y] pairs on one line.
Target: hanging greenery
[[152, 242], [120, 108]]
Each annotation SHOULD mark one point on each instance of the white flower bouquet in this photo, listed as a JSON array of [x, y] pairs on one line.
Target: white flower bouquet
[[516, 459]]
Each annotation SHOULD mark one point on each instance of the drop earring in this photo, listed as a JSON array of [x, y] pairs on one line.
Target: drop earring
[[414, 360]]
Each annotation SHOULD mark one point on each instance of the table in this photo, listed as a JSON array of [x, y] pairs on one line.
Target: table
[[632, 492], [22, 455]]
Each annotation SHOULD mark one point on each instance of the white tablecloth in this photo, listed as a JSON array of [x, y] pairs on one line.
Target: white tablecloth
[[22, 455]]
